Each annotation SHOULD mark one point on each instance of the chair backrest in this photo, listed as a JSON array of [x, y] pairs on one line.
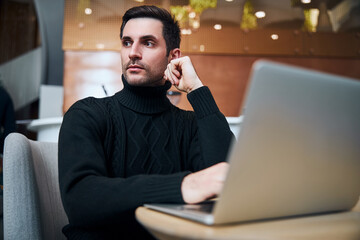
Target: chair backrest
[[32, 203]]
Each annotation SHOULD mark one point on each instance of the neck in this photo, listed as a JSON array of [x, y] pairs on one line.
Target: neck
[[145, 99]]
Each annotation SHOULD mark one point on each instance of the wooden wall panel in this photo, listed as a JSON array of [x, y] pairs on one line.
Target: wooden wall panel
[[331, 44], [226, 75], [90, 74], [292, 43]]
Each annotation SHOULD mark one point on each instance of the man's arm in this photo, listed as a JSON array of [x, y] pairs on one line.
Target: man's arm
[[181, 73], [91, 195], [214, 134]]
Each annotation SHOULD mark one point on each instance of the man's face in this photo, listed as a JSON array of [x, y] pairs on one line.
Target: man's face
[[143, 52]]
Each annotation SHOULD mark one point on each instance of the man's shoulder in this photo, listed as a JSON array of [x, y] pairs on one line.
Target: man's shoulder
[[91, 103], [92, 106], [89, 111]]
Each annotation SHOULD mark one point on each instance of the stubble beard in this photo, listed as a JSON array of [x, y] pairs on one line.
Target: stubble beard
[[150, 78]]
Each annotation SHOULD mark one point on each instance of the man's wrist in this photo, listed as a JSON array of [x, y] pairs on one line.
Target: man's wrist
[[196, 86]]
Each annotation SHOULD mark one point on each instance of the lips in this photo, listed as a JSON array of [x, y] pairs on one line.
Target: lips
[[134, 67]]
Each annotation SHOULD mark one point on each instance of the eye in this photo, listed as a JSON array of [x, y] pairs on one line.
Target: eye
[[126, 43], [149, 43]]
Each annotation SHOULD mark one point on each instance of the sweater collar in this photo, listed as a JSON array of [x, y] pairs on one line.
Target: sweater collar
[[147, 100]]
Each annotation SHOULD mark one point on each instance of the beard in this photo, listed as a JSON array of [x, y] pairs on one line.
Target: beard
[[149, 76]]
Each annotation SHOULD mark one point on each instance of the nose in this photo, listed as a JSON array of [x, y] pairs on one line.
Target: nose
[[135, 52]]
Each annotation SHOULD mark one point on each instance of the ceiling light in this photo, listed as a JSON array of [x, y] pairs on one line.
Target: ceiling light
[[260, 14], [306, 1], [196, 24], [186, 31], [274, 36], [192, 15], [140, 1], [88, 11], [217, 27], [229, 0]]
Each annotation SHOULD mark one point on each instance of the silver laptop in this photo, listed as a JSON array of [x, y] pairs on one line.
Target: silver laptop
[[298, 150]]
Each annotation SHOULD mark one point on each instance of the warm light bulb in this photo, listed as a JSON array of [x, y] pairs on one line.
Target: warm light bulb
[[274, 36], [260, 14], [88, 11], [186, 31], [192, 15], [217, 27], [196, 24], [306, 1]]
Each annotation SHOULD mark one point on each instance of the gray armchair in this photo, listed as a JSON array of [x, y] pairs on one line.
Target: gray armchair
[[32, 204]]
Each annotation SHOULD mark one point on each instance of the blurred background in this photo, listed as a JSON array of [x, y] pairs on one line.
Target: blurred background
[[54, 52]]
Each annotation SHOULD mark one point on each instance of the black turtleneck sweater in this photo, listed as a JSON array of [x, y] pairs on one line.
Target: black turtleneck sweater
[[120, 152]]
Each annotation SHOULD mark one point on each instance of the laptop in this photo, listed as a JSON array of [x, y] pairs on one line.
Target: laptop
[[297, 152]]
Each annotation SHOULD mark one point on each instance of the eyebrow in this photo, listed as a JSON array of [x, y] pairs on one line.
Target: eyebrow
[[148, 37], [141, 38], [126, 38]]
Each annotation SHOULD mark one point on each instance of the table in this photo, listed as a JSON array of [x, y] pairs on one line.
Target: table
[[47, 128], [341, 225]]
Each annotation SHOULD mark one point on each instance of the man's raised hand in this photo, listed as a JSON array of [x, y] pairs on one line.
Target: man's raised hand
[[181, 73]]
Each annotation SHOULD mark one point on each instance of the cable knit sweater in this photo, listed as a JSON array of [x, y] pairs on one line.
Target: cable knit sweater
[[120, 152]]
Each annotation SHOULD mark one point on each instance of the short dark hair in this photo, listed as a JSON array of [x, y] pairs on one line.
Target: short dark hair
[[171, 29]]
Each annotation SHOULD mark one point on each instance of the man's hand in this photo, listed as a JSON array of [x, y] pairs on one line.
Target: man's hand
[[199, 186], [181, 73]]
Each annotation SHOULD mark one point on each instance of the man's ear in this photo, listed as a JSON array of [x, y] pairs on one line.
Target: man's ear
[[174, 53]]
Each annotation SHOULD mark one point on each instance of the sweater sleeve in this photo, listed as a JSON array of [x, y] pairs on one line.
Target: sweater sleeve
[[91, 197], [212, 138]]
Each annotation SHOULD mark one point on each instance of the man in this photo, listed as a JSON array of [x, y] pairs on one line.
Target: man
[[135, 147]]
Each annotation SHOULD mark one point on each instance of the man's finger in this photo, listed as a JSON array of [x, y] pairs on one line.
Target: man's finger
[[171, 76]]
